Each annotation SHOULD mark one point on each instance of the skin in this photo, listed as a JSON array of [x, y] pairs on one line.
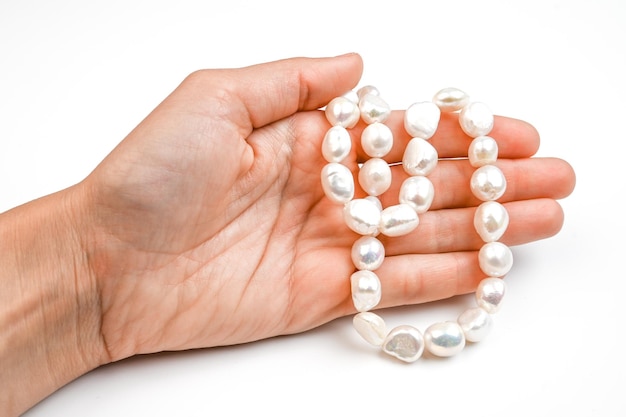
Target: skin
[[207, 226]]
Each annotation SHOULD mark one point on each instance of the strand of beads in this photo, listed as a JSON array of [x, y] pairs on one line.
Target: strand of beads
[[366, 216]]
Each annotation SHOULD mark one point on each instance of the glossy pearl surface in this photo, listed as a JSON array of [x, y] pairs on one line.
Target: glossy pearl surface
[[490, 293], [418, 192], [377, 140], [420, 157], [362, 216], [483, 151], [491, 221], [398, 220], [476, 324], [376, 201], [405, 343], [352, 95], [451, 99], [341, 111], [495, 259], [444, 339], [337, 144], [375, 176], [421, 119], [368, 253], [488, 183], [373, 109], [367, 89], [371, 327], [337, 183], [366, 290], [476, 119]]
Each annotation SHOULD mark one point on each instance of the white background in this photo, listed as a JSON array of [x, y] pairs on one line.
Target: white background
[[77, 76]]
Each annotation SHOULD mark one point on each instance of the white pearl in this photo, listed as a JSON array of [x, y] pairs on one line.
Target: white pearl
[[337, 183], [420, 157], [483, 151], [367, 89], [376, 201], [491, 221], [366, 290], [371, 327], [352, 96], [444, 339], [373, 109], [495, 259], [405, 343], [451, 99], [377, 140], [337, 144], [421, 119], [488, 183], [476, 324], [375, 176], [476, 119], [418, 192], [342, 112], [368, 253], [490, 293], [362, 216], [398, 220]]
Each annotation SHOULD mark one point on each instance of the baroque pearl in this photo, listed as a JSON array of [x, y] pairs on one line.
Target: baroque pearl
[[421, 119], [495, 259], [405, 343], [420, 157], [368, 253], [489, 294], [341, 111], [376, 201], [371, 327], [418, 192], [488, 183], [366, 290], [337, 144], [483, 151], [373, 109], [375, 176], [398, 220], [444, 338], [337, 182], [362, 216], [367, 89], [476, 119], [476, 324], [451, 99], [491, 221], [377, 140], [353, 96]]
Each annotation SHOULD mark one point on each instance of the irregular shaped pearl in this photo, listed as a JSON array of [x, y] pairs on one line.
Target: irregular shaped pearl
[[421, 119], [367, 89], [368, 253], [352, 96], [337, 183], [444, 339], [377, 140], [362, 216], [483, 151], [418, 192], [371, 327], [337, 144], [374, 109], [488, 183], [366, 290], [375, 176], [451, 99], [491, 221], [495, 259], [476, 119], [490, 293], [405, 343], [476, 324], [376, 201], [420, 157], [398, 220], [341, 111]]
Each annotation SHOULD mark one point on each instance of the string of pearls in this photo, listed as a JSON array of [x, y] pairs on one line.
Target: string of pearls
[[368, 218]]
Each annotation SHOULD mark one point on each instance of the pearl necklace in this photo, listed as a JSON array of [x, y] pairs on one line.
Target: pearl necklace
[[366, 216]]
